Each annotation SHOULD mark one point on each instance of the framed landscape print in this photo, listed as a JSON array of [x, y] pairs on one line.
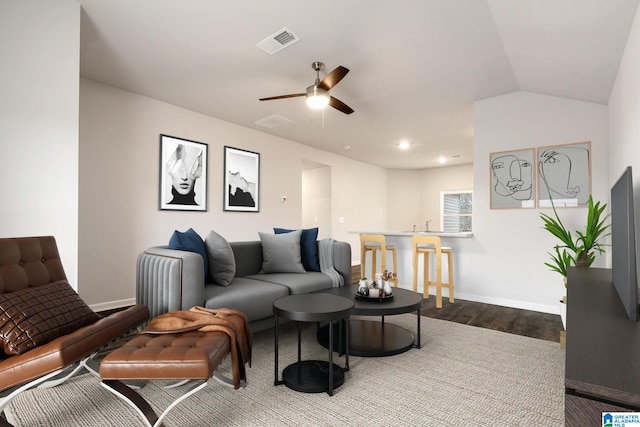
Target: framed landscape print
[[183, 174], [241, 180], [512, 179]]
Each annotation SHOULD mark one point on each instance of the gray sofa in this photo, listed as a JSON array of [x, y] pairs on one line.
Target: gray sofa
[[169, 279]]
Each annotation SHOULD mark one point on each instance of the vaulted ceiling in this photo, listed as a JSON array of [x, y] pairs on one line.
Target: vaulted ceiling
[[416, 66]]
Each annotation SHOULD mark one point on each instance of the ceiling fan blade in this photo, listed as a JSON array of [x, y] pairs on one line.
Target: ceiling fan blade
[[339, 105], [333, 78], [292, 95]]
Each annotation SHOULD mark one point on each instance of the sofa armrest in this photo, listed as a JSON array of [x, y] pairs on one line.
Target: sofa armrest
[[169, 280], [342, 260]]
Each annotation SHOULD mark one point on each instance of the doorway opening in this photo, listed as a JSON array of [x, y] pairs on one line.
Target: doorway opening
[[316, 197]]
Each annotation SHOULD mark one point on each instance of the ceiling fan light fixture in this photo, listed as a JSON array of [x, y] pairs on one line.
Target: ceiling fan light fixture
[[317, 98]]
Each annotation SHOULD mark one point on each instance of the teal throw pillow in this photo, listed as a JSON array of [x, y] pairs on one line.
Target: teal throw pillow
[[192, 242]]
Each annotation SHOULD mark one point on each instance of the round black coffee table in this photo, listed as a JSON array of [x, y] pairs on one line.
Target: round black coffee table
[[313, 376], [371, 338]]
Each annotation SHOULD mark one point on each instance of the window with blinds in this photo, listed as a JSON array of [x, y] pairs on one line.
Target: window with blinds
[[457, 211]]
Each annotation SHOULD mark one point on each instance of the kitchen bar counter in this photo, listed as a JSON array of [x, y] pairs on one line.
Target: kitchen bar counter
[[414, 233]]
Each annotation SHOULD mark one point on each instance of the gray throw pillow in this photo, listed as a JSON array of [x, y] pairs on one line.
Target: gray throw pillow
[[222, 264], [281, 252]]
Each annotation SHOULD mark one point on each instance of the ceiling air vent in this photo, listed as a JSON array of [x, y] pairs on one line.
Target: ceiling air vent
[[273, 121], [278, 41]]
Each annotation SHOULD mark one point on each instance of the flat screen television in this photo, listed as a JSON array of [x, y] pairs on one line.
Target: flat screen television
[[623, 243]]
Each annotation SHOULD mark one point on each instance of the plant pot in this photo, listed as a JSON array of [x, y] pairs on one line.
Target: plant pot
[[583, 260]]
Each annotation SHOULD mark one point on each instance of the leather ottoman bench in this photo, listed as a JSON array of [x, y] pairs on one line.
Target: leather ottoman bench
[[185, 356]]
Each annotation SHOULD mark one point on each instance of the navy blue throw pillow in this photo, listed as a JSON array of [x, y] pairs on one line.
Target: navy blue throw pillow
[[192, 242], [308, 247]]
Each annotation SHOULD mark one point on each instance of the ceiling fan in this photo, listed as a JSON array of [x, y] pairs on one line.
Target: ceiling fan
[[318, 93]]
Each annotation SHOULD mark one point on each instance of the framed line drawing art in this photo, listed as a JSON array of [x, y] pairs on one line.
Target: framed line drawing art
[[241, 180], [183, 174], [564, 175], [512, 179]]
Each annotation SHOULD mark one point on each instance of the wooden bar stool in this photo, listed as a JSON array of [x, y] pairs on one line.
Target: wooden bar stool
[[427, 245], [374, 243]]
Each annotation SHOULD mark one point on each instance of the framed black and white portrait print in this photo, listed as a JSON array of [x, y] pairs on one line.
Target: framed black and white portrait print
[[183, 174], [241, 180]]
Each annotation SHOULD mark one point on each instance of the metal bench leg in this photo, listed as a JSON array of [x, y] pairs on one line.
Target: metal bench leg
[[141, 406]]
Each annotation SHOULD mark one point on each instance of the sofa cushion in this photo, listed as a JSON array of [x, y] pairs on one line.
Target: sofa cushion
[[34, 316], [308, 247], [281, 252], [222, 264], [253, 297], [297, 283], [190, 241]]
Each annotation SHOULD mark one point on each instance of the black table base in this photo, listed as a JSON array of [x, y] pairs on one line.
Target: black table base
[[313, 376], [310, 376], [370, 338]]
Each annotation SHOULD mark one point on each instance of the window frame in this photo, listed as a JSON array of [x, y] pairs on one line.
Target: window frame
[[444, 193]]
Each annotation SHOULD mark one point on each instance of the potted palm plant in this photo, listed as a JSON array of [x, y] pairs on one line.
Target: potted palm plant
[[581, 250]]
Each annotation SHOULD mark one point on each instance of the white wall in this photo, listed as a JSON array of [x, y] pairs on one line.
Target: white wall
[[434, 181], [119, 216], [414, 195], [40, 56], [404, 204], [624, 115], [510, 245], [316, 199]]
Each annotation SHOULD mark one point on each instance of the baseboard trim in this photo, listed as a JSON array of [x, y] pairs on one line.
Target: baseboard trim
[[110, 305], [523, 305], [551, 309]]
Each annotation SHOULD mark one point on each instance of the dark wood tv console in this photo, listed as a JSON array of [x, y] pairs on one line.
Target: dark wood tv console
[[602, 370]]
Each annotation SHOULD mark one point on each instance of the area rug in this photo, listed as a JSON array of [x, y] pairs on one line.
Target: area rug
[[462, 376]]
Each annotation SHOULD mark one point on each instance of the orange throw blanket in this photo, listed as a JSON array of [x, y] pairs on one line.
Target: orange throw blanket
[[232, 322]]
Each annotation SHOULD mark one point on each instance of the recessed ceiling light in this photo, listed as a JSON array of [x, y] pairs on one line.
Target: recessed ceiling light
[[347, 147], [404, 145], [442, 159]]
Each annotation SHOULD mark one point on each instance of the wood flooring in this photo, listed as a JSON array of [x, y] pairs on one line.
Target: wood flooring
[[529, 323]]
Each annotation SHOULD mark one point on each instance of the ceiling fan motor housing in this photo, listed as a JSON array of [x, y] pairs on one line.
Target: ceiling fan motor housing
[[317, 97]]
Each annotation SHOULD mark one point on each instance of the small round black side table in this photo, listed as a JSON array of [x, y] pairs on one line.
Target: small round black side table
[[313, 376]]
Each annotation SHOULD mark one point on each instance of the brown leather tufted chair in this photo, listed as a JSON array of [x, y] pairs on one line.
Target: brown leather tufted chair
[[30, 264]]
